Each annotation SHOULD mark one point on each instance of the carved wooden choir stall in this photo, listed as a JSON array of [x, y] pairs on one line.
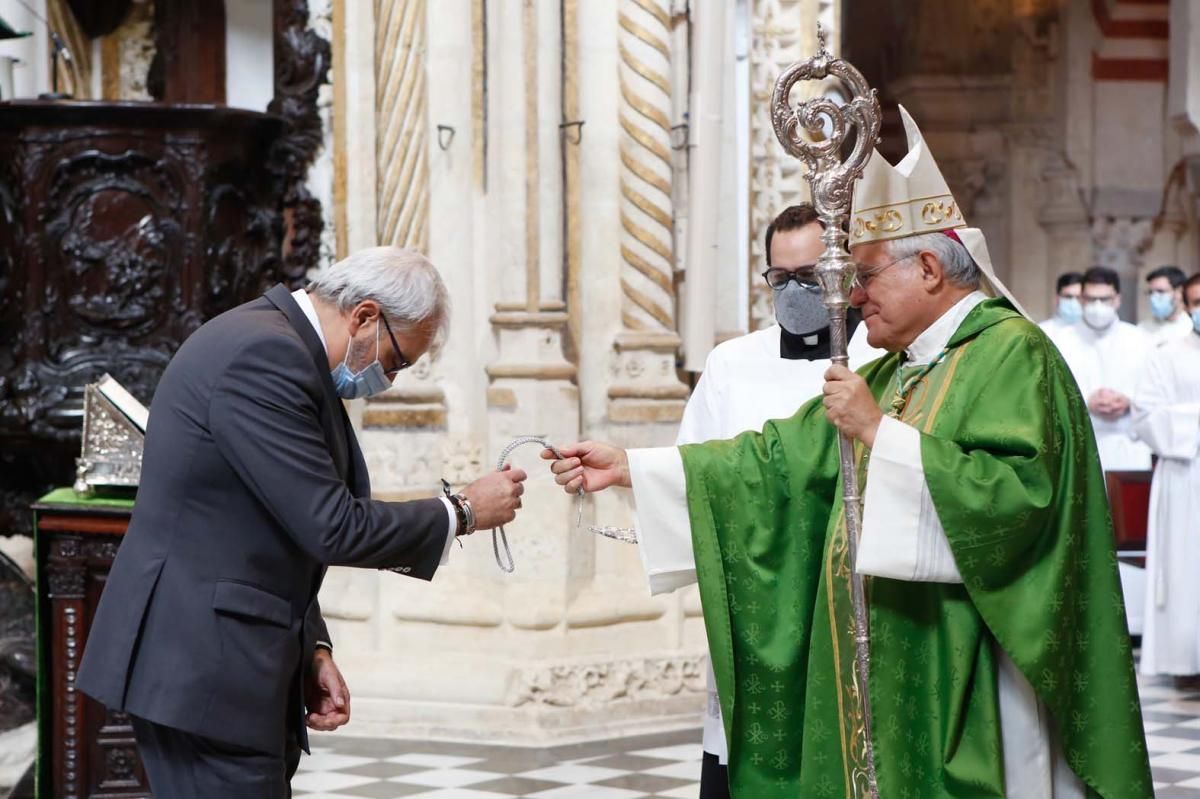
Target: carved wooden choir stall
[[124, 226]]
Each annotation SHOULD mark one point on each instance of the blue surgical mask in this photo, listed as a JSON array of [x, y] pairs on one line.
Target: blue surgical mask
[[1196, 320], [1070, 310], [1162, 305], [370, 381]]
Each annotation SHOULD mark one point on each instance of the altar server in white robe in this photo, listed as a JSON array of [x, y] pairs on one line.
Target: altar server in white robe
[[1167, 418], [1068, 310], [764, 375], [1107, 357], [1169, 318]]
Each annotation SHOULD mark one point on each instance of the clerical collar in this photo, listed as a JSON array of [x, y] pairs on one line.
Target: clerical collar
[[935, 337], [814, 346], [810, 347]]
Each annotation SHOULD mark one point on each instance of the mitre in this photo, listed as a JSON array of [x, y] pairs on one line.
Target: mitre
[[912, 198]]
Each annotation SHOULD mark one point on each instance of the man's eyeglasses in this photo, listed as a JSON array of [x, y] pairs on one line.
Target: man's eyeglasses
[[863, 275], [777, 277], [404, 364]]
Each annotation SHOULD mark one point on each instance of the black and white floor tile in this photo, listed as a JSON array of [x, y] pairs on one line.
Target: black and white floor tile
[[667, 765], [1172, 719]]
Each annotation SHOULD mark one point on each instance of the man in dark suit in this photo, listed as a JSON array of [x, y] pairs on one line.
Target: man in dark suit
[[209, 633]]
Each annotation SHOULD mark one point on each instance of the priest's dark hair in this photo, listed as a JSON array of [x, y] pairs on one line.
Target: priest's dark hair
[[1102, 276], [793, 217], [1172, 273], [1067, 279]]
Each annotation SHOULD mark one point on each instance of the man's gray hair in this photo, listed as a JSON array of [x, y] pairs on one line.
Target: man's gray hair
[[960, 268], [405, 284]]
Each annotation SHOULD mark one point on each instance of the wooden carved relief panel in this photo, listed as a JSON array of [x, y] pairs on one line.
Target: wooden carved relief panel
[[122, 228]]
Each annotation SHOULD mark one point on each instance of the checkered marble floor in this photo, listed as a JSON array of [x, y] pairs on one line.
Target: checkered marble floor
[[666, 765], [636, 768], [1172, 719]]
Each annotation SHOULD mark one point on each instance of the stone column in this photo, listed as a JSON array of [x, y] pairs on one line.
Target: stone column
[[405, 427], [782, 32], [646, 388], [1065, 220]]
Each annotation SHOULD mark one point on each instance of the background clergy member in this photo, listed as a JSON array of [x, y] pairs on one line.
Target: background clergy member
[[1107, 357], [1169, 318], [766, 374], [1000, 660], [1167, 418], [1067, 308], [208, 633]]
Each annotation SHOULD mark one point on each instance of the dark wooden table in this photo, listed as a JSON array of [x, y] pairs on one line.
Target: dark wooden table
[[84, 749]]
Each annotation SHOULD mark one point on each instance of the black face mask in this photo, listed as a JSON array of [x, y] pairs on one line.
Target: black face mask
[[799, 310]]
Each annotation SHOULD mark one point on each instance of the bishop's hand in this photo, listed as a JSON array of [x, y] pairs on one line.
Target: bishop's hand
[[590, 465], [850, 405]]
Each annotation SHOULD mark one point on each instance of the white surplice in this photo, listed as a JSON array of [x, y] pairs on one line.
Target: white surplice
[[1163, 332], [1114, 359], [902, 538], [1167, 418], [1054, 326], [745, 383]]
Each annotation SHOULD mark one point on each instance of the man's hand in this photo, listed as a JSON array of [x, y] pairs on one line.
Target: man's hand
[[589, 464], [850, 406], [1108, 404], [496, 497], [326, 697]]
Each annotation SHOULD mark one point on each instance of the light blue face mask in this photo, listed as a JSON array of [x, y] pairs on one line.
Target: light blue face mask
[[1196, 320], [1162, 305], [1070, 310], [367, 383]]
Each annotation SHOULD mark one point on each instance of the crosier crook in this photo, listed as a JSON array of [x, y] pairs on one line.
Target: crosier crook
[[832, 181]]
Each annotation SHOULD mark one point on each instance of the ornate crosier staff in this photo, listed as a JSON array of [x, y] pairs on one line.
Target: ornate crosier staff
[[832, 181]]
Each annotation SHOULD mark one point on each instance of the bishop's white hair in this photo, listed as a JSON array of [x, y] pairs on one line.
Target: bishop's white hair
[[405, 284], [960, 268]]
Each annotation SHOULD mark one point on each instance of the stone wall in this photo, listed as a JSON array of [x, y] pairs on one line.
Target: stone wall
[[527, 147], [1050, 122]]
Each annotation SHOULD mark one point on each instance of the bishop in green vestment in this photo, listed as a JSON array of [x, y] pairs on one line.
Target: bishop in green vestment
[[1000, 659]]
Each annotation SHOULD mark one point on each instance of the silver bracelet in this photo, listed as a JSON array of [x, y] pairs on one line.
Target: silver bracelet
[[468, 512]]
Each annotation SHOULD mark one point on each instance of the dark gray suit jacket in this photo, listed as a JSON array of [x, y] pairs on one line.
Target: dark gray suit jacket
[[252, 483]]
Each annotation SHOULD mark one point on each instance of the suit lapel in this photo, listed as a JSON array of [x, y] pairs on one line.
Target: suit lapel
[[337, 431]]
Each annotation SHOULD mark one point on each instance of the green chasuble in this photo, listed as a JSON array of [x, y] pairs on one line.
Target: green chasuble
[[1010, 461]]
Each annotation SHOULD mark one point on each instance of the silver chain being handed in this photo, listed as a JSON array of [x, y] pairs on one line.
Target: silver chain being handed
[[626, 534]]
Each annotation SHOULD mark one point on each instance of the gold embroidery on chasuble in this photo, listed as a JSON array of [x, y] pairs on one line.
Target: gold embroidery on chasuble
[[918, 409]]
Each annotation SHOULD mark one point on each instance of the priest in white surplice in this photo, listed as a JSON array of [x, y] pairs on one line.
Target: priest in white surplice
[[1107, 356], [766, 374], [1167, 418], [1169, 318], [1068, 310]]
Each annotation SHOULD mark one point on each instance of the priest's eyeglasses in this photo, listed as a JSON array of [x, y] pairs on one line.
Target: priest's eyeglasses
[[863, 274], [777, 278], [404, 364]]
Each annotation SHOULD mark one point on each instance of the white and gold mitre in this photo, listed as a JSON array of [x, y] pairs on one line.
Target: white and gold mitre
[[912, 198], [892, 202]]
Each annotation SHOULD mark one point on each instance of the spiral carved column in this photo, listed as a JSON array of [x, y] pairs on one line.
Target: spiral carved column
[[403, 176], [646, 388]]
